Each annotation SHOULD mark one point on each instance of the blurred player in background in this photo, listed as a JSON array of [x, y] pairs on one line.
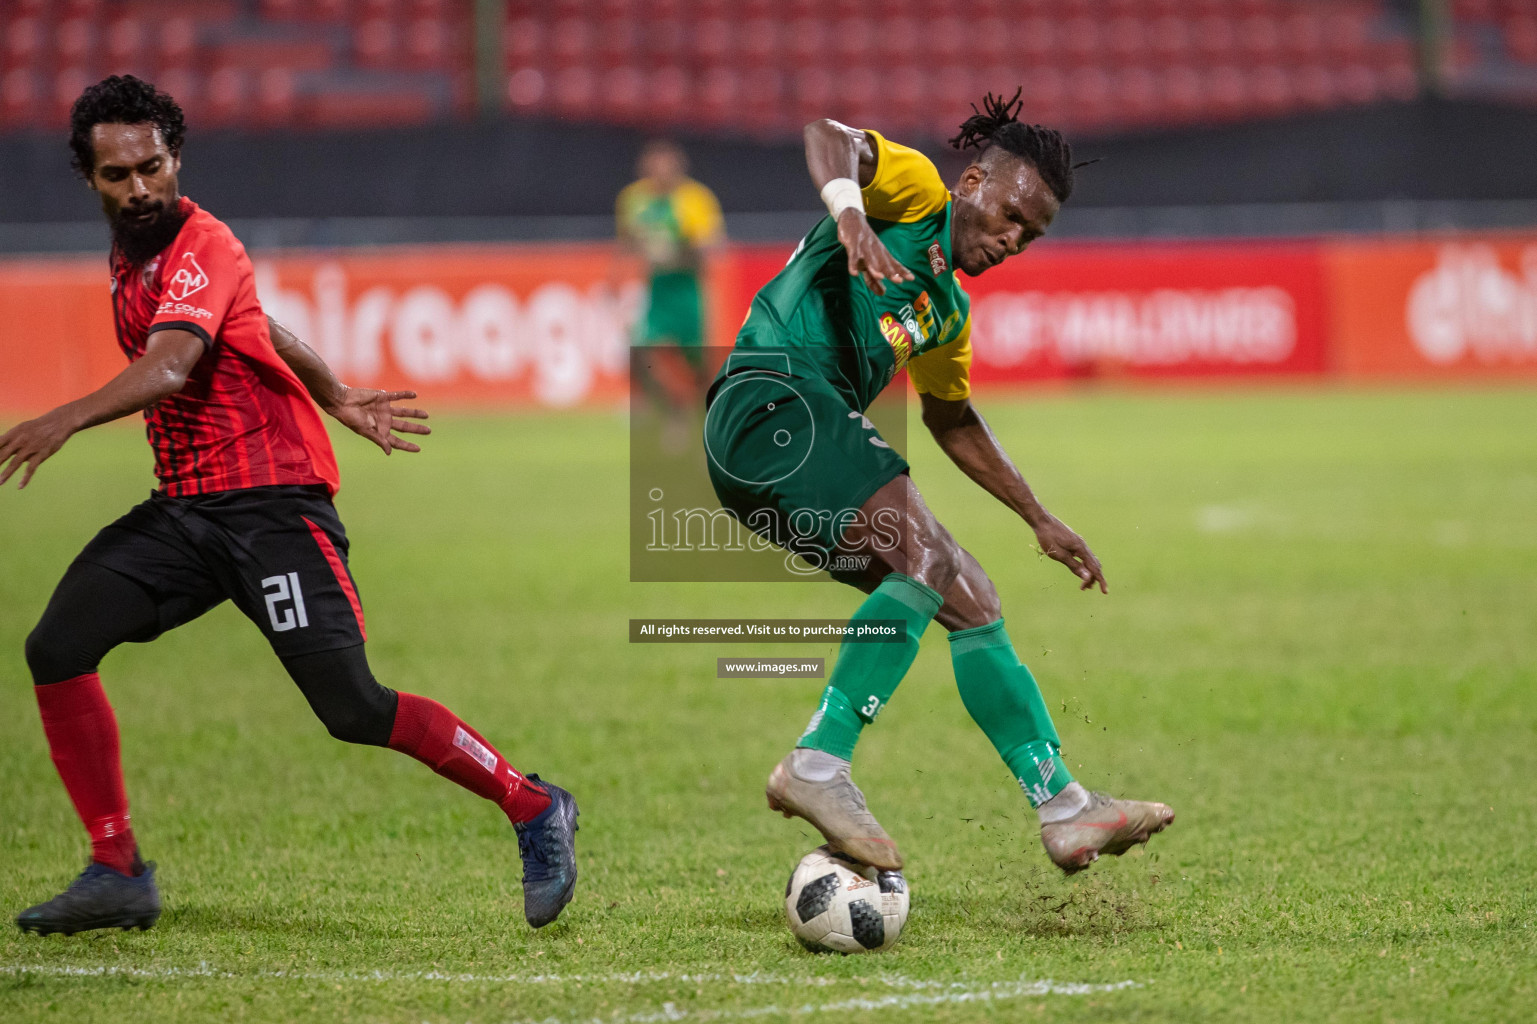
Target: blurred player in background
[[243, 513], [673, 224], [870, 290]]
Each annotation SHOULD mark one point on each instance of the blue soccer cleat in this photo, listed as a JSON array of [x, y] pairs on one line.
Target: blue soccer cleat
[[547, 845], [99, 898]]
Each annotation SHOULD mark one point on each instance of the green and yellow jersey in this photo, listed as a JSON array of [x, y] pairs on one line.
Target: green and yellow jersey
[[669, 228], [832, 326]]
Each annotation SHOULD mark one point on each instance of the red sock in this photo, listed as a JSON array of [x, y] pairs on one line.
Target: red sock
[[438, 738], [82, 738]]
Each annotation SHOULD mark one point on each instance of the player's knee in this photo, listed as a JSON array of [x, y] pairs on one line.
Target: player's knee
[[51, 657], [988, 605], [366, 716], [368, 722], [943, 565]]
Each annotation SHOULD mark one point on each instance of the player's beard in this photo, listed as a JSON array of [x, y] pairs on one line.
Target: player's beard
[[140, 243]]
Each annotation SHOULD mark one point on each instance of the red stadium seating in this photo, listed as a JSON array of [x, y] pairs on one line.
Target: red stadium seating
[[761, 67]]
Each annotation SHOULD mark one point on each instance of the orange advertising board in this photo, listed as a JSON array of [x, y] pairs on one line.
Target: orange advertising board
[[541, 325], [1434, 309], [504, 325]]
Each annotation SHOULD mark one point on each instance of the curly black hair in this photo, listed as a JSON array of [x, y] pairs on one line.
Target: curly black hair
[[122, 99], [998, 124]]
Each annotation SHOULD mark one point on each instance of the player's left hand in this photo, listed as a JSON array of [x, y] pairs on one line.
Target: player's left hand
[[30, 443], [1058, 541], [371, 413]]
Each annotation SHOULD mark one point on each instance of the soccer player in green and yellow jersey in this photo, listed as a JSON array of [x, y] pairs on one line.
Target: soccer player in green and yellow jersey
[[871, 290], [672, 223]]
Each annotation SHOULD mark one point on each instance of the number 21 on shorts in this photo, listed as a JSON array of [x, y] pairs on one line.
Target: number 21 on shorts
[[284, 590]]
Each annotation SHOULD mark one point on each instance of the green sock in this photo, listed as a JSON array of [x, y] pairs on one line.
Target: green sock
[[865, 674], [1003, 698]]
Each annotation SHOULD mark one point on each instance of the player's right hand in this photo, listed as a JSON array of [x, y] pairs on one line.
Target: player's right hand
[[868, 256], [30, 443]]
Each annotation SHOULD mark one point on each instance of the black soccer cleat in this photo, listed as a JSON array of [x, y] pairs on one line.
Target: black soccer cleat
[[99, 898], [547, 845]]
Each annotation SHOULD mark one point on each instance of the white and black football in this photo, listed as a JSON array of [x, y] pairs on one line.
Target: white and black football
[[837, 905]]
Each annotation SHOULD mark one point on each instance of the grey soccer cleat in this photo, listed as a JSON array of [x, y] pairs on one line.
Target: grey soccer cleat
[[837, 809], [1107, 825], [547, 845], [99, 898]]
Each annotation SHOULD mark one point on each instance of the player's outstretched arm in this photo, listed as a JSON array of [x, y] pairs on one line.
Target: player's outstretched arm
[[160, 372], [965, 436], [367, 412], [842, 160]]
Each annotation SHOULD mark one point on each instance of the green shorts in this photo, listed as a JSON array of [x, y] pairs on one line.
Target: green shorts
[[674, 312], [789, 457]]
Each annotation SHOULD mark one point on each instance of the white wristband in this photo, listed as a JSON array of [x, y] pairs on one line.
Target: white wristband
[[842, 194]]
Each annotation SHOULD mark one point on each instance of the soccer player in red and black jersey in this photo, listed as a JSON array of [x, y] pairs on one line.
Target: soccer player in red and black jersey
[[243, 513]]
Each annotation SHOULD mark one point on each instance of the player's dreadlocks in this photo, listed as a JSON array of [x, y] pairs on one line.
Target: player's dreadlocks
[[122, 99], [998, 124]]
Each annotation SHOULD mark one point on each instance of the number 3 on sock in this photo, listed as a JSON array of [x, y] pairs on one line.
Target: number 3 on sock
[[872, 707]]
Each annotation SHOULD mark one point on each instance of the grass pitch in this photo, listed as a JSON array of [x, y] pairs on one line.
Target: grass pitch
[[1319, 646]]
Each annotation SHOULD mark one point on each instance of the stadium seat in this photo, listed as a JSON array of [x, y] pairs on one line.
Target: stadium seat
[[523, 41], [1157, 61], [669, 94], [225, 95], [1521, 38], [429, 43], [575, 91], [276, 96], [374, 43], [18, 97], [176, 41], [807, 40], [75, 41], [23, 42], [624, 93], [336, 109], [1313, 85], [1170, 38], [525, 90]]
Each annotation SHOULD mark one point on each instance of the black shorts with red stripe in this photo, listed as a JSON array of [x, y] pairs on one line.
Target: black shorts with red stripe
[[279, 553]]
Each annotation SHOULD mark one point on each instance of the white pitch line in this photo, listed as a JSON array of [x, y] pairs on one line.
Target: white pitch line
[[921, 990], [204, 970], [997, 991]]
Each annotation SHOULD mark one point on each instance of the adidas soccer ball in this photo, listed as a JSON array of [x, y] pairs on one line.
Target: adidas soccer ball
[[837, 905]]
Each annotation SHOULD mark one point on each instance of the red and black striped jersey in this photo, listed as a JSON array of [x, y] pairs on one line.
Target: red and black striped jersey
[[243, 419]]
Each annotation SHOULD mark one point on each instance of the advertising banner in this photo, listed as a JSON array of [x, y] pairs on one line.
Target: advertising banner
[[547, 326], [1435, 309], [1146, 310], [510, 325]]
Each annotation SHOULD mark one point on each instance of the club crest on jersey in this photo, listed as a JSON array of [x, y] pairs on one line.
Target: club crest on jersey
[[188, 279], [147, 275], [937, 260]]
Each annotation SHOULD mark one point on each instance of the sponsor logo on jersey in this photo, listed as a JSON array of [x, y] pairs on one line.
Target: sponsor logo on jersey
[[898, 337], [188, 279], [908, 328], [937, 259], [183, 309]]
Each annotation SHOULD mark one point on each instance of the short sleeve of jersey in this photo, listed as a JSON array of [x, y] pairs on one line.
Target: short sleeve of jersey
[[698, 213], [198, 283], [624, 206], [945, 372], [906, 187]]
